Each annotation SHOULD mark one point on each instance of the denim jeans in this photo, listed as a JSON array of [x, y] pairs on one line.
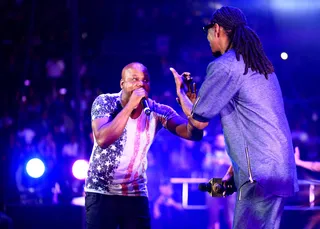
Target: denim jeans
[[112, 212]]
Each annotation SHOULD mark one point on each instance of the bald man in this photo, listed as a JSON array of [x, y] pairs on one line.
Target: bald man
[[116, 191]]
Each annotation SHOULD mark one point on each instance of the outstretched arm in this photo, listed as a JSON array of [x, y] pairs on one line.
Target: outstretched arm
[[181, 127], [311, 165], [185, 102]]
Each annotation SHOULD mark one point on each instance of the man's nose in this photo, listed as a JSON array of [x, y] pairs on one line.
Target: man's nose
[[138, 84]]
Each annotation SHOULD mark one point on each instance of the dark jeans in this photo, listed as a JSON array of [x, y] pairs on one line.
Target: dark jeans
[[111, 212]]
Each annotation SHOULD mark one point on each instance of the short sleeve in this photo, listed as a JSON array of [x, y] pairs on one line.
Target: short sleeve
[[164, 113], [218, 88], [101, 107]]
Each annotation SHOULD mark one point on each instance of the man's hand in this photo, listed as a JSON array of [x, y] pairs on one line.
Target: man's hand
[[191, 87], [178, 79], [181, 81], [228, 182], [192, 92], [184, 85], [136, 97]]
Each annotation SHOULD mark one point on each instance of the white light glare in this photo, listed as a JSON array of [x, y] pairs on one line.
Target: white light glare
[[80, 169], [35, 168], [284, 55]]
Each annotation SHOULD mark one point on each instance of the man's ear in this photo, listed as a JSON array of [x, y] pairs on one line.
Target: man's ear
[[121, 83], [217, 30]]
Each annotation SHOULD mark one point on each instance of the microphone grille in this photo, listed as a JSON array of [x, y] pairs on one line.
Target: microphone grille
[[217, 188]]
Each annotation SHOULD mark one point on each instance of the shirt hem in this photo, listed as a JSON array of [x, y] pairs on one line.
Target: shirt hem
[[114, 194]]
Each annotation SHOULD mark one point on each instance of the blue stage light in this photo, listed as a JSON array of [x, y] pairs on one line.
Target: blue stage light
[[35, 168]]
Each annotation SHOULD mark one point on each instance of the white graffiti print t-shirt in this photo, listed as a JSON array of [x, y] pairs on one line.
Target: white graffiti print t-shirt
[[120, 169]]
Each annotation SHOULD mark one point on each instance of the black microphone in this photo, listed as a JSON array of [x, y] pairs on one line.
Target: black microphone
[[189, 82], [145, 106], [216, 188]]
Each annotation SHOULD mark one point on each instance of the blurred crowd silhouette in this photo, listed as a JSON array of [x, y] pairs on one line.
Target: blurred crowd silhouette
[[42, 115]]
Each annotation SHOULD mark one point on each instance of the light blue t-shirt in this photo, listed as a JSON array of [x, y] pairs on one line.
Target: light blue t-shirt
[[254, 122]]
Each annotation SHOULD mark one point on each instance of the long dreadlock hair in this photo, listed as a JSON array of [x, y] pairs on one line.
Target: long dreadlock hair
[[243, 40]]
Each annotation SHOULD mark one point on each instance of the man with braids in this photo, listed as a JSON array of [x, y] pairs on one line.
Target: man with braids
[[116, 191], [242, 87]]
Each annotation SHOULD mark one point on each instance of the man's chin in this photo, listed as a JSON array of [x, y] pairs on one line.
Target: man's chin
[[216, 54]]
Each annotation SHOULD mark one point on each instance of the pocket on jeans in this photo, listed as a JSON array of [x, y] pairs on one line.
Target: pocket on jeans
[[251, 190]]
